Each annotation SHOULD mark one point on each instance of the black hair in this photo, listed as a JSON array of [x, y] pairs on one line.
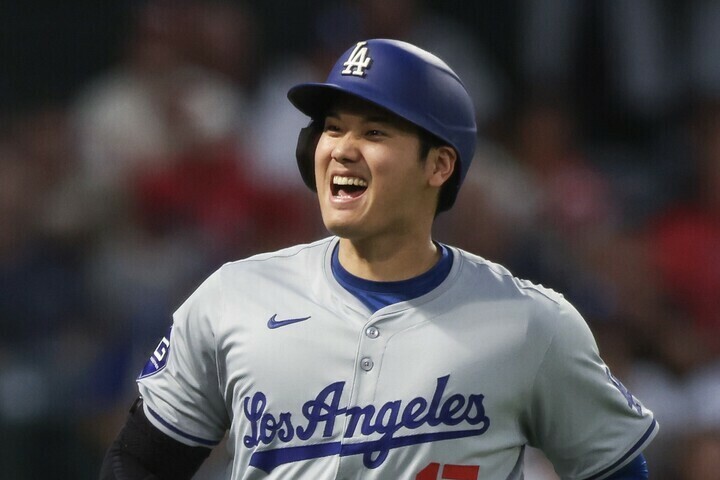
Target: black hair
[[428, 141]]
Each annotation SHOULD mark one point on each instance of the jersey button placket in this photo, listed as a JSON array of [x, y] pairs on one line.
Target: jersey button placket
[[371, 346], [367, 364], [372, 332]]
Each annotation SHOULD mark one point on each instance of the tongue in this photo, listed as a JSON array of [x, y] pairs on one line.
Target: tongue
[[350, 192]]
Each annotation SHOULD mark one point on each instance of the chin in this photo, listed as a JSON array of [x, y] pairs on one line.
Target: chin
[[342, 230], [339, 223]]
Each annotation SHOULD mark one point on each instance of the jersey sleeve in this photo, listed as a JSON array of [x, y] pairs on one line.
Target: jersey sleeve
[[584, 420], [180, 384]]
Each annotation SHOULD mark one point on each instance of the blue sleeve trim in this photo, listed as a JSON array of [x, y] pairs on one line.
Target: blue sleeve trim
[[629, 453], [635, 470], [173, 428]]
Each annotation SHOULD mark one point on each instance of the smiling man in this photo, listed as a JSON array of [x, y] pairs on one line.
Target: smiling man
[[379, 353], [378, 192]]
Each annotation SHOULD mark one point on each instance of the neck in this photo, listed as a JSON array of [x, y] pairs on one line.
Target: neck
[[391, 260]]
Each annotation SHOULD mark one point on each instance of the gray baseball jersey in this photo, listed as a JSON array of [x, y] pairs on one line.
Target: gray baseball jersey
[[308, 383]]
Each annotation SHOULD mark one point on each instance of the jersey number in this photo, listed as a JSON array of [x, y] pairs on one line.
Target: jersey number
[[449, 472]]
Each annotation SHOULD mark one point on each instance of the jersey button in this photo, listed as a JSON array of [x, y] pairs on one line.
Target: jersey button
[[372, 332], [366, 364]]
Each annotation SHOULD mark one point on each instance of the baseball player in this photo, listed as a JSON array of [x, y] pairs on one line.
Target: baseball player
[[379, 353]]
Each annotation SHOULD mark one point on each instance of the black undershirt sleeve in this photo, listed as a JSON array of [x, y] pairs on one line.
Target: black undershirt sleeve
[[142, 452]]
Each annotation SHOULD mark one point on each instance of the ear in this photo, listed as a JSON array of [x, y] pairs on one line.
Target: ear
[[440, 165]]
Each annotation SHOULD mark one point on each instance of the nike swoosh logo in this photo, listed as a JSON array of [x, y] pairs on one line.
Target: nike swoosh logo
[[273, 323]]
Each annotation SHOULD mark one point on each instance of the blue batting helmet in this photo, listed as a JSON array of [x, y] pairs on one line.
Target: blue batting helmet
[[405, 80]]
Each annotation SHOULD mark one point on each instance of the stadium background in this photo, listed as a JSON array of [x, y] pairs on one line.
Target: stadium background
[[143, 143]]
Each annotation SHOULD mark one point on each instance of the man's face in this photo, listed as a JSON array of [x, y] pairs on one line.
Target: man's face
[[370, 179]]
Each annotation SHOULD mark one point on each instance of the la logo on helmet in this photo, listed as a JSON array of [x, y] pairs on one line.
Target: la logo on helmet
[[358, 61]]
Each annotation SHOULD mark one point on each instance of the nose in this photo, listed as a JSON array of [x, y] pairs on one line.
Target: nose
[[345, 148]]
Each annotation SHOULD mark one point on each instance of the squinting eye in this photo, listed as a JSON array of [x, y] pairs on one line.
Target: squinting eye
[[331, 129], [374, 133]]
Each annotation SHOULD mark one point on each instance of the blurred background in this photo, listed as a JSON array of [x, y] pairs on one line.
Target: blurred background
[[144, 143]]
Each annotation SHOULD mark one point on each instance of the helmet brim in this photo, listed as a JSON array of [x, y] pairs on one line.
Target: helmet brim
[[314, 99]]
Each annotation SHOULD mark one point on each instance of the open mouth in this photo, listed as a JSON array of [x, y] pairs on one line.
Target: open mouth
[[348, 186]]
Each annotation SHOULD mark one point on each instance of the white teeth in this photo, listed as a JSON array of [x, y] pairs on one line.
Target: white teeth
[[357, 182]]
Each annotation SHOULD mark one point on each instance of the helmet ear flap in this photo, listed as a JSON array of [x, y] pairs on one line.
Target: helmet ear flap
[[305, 152]]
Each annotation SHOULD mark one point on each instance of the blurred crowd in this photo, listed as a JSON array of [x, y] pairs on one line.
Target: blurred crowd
[[597, 174]]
